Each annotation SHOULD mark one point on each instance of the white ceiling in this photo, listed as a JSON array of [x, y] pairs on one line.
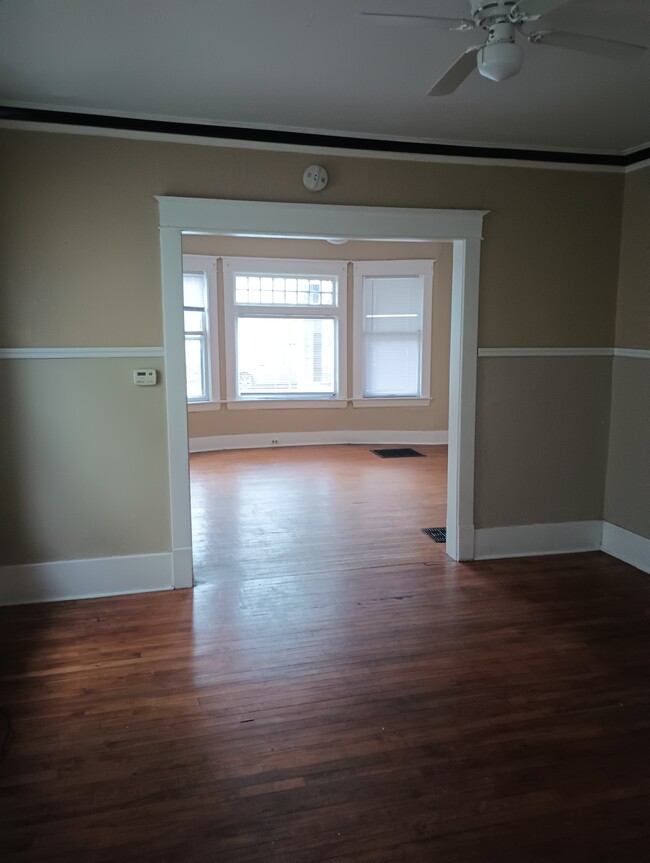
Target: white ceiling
[[319, 65]]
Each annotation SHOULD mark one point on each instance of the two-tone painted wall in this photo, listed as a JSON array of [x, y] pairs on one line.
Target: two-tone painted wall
[[83, 452]]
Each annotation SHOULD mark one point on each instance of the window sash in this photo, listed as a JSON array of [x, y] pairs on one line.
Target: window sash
[[285, 291], [393, 365], [200, 337], [200, 373], [331, 271], [392, 340], [202, 268]]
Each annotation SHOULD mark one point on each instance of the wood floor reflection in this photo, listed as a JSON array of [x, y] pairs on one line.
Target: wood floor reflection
[[314, 509], [334, 689]]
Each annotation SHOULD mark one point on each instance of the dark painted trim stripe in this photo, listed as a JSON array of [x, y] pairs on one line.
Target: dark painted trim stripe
[[313, 139]]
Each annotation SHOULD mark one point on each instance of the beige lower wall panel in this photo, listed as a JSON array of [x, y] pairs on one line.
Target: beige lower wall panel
[[229, 422], [542, 432], [627, 498], [83, 460]]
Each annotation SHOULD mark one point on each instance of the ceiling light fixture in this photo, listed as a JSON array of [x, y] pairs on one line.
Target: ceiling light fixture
[[500, 57]]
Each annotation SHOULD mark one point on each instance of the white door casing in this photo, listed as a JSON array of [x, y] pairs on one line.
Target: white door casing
[[463, 228]]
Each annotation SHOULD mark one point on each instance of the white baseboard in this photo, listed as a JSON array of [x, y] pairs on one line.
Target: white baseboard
[[183, 574], [627, 546], [271, 439], [539, 539], [82, 579], [110, 576], [535, 539]]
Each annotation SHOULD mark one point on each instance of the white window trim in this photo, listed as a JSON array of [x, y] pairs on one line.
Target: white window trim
[[282, 404], [208, 264], [398, 401], [339, 269], [363, 269]]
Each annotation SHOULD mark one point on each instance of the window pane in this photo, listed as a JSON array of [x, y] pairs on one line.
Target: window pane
[[194, 322], [241, 289], [392, 365], [195, 291], [285, 356], [194, 367]]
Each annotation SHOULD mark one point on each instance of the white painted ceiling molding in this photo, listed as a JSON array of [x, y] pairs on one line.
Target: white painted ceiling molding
[[395, 155]]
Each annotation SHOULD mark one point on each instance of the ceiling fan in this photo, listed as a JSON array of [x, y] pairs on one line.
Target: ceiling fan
[[500, 56]]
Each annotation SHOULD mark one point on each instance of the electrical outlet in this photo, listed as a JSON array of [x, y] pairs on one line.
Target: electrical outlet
[[274, 441]]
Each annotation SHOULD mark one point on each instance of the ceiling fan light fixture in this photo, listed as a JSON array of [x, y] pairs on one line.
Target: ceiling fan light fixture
[[499, 60]]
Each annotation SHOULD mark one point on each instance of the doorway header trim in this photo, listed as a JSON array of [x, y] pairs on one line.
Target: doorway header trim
[[295, 221]]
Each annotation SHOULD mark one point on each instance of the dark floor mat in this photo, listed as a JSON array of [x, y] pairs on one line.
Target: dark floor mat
[[398, 453], [437, 534]]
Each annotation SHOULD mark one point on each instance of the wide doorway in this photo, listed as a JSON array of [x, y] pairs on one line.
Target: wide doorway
[[463, 228]]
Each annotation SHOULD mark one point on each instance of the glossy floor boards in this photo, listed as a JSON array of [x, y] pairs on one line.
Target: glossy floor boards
[[372, 702], [314, 508]]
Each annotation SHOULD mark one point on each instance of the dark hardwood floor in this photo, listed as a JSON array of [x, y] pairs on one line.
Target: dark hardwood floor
[[333, 689]]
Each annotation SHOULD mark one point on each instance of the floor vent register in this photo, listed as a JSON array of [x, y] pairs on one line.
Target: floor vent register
[[406, 452], [437, 534]]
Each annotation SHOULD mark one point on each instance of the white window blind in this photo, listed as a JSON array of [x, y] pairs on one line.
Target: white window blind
[[392, 336], [392, 332]]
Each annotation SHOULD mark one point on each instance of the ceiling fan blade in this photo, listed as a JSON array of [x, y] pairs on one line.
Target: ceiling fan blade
[[531, 10], [435, 21], [588, 44], [456, 74]]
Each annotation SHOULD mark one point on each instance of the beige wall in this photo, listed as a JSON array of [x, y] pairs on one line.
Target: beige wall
[[79, 265], [80, 248], [433, 417], [633, 305], [541, 454], [627, 499], [82, 460]]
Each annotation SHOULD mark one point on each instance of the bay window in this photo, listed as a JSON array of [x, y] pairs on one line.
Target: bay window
[[284, 325]]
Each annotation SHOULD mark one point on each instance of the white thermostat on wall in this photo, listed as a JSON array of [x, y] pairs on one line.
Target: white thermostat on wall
[[145, 377]]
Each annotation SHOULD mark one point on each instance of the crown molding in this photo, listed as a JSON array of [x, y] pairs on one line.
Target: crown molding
[[273, 138]]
